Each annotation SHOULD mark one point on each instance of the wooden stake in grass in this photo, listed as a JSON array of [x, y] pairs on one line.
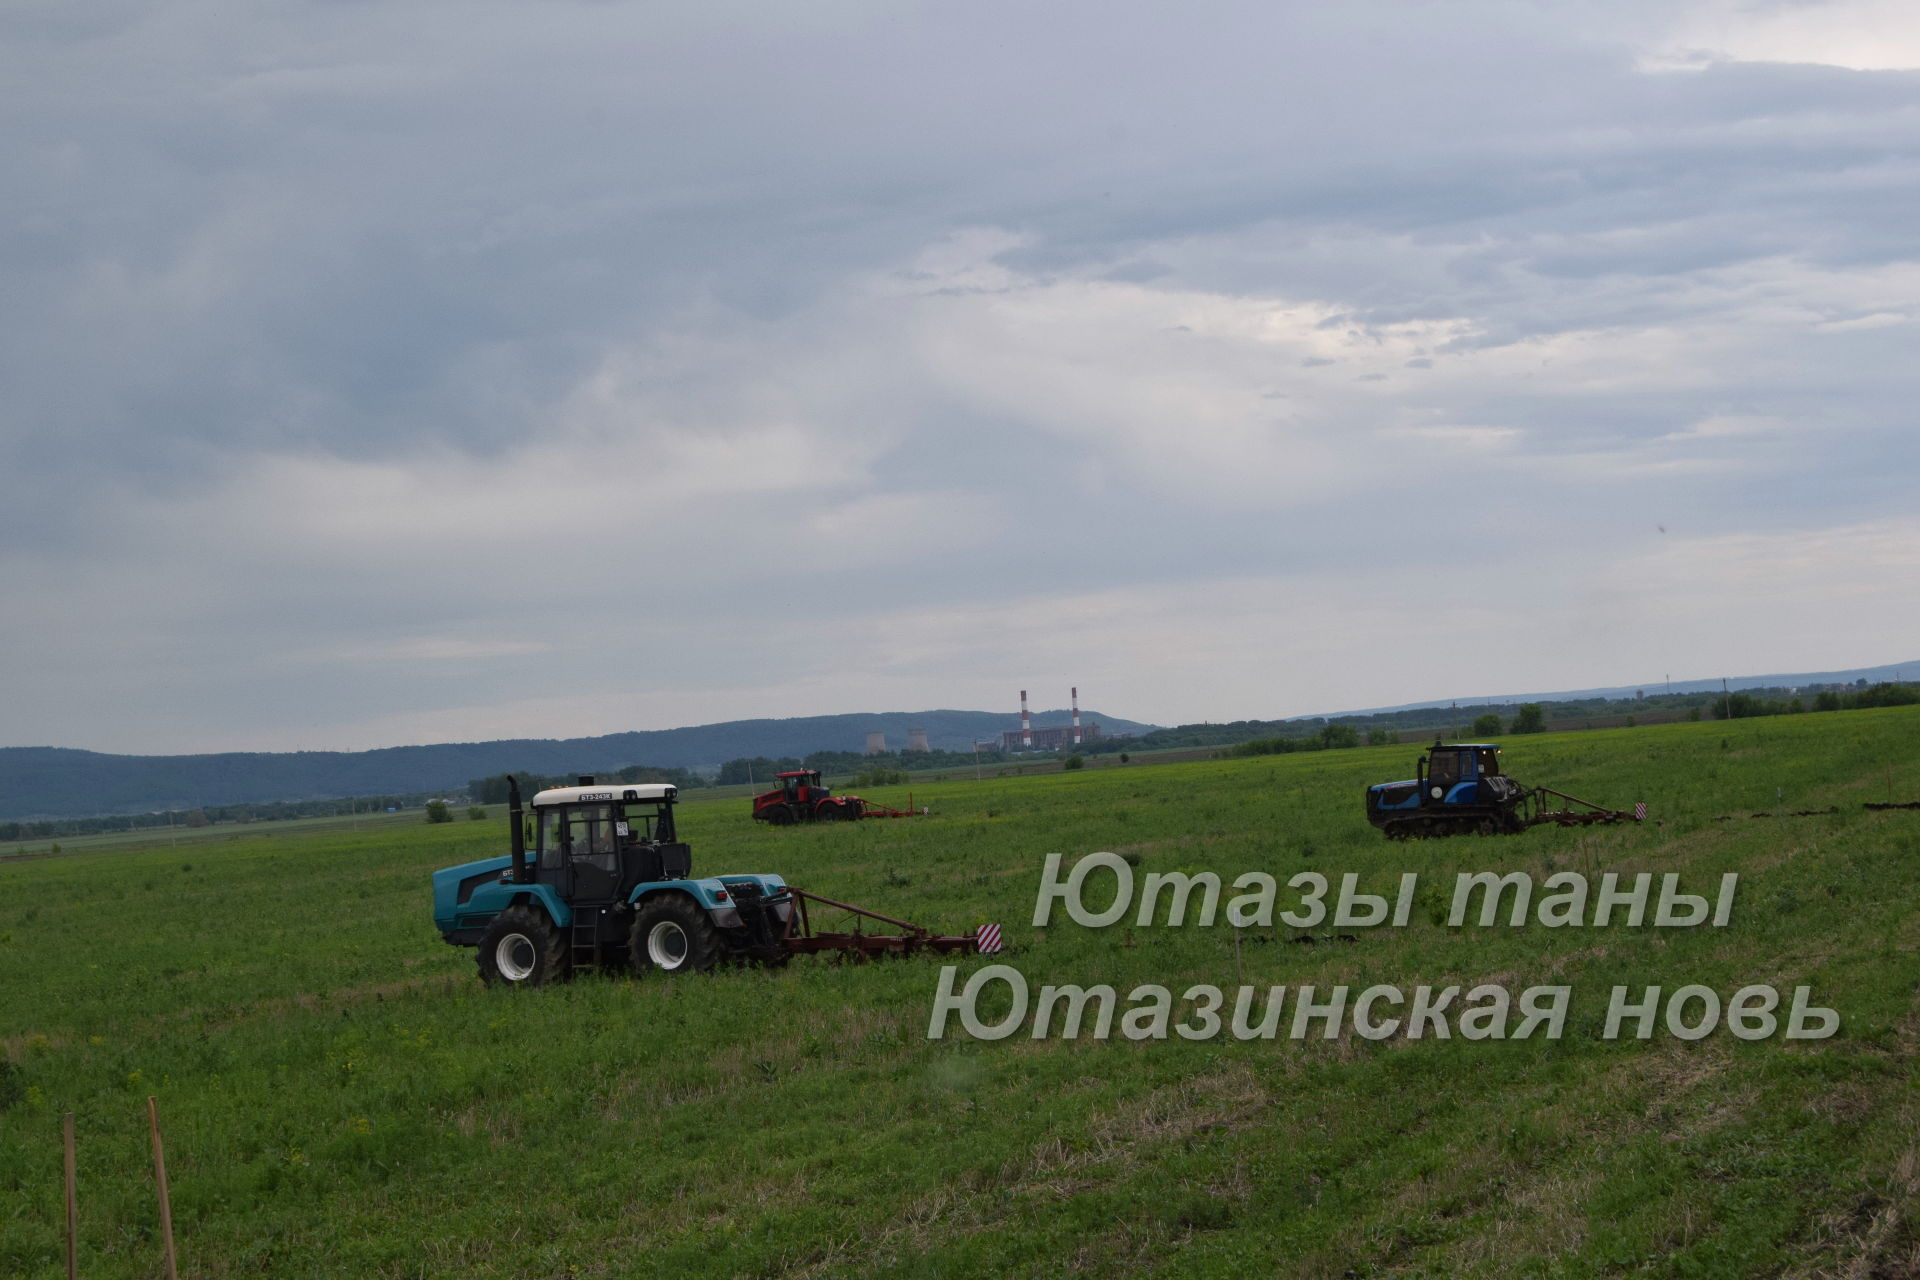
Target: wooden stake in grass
[[160, 1183], [73, 1204]]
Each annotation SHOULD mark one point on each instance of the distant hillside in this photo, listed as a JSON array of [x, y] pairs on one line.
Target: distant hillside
[[1893, 671], [56, 782]]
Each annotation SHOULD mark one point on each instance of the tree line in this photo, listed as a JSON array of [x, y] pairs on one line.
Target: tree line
[[760, 770], [209, 815], [1740, 706]]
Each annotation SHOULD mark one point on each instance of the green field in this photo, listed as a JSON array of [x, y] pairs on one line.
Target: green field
[[341, 1097]]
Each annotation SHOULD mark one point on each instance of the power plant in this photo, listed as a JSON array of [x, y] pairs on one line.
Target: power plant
[[1028, 738], [916, 741]]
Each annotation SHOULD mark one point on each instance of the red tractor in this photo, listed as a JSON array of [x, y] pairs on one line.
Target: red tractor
[[801, 798]]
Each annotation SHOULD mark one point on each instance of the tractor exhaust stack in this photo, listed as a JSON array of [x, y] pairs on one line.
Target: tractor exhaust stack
[[517, 833]]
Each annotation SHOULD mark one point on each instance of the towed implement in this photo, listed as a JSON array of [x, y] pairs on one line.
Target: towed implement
[[1459, 789], [602, 882]]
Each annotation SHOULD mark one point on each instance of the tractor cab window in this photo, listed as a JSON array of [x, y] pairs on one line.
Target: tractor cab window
[[1444, 769], [1489, 764], [547, 838], [645, 823], [590, 831]]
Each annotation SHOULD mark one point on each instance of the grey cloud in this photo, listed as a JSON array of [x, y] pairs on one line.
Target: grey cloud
[[420, 235]]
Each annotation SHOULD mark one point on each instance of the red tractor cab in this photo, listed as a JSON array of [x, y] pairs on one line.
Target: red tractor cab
[[801, 798]]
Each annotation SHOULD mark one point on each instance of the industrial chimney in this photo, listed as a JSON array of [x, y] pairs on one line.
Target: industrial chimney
[[1026, 725], [917, 740], [876, 744], [1076, 716]]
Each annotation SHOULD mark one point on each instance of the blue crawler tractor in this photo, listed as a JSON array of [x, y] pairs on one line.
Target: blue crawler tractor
[[1460, 789]]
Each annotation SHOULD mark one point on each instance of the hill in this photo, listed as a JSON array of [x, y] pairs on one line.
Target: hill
[[57, 782], [1895, 672]]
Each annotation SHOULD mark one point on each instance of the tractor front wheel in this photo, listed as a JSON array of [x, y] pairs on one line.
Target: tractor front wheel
[[521, 948], [672, 935]]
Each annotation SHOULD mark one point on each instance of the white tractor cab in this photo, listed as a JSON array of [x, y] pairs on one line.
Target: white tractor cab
[[597, 878]]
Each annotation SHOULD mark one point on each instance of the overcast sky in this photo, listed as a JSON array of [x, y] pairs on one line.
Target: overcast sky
[[405, 372]]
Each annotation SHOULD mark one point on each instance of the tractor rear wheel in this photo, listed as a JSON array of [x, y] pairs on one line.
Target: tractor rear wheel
[[780, 815], [521, 948], [672, 935]]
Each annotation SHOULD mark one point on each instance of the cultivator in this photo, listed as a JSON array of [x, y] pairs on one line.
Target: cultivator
[[1588, 815], [868, 809], [798, 936]]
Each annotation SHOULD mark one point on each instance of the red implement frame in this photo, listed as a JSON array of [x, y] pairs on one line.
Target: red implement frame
[[798, 936], [868, 809]]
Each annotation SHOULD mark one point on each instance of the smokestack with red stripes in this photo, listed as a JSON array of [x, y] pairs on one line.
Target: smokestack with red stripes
[[1076, 716], [1026, 725]]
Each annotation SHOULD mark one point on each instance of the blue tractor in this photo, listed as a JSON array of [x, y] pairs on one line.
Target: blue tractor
[[1459, 789], [601, 881]]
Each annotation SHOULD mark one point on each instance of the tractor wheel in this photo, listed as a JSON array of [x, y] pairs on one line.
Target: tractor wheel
[[672, 935], [830, 812], [521, 948], [780, 815]]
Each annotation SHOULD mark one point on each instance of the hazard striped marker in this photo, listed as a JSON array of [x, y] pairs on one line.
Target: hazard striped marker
[[986, 939], [1640, 811]]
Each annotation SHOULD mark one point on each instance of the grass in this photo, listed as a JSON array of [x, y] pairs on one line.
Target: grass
[[342, 1098]]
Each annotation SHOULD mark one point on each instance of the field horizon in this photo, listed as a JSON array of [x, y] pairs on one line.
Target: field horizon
[[341, 1096]]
